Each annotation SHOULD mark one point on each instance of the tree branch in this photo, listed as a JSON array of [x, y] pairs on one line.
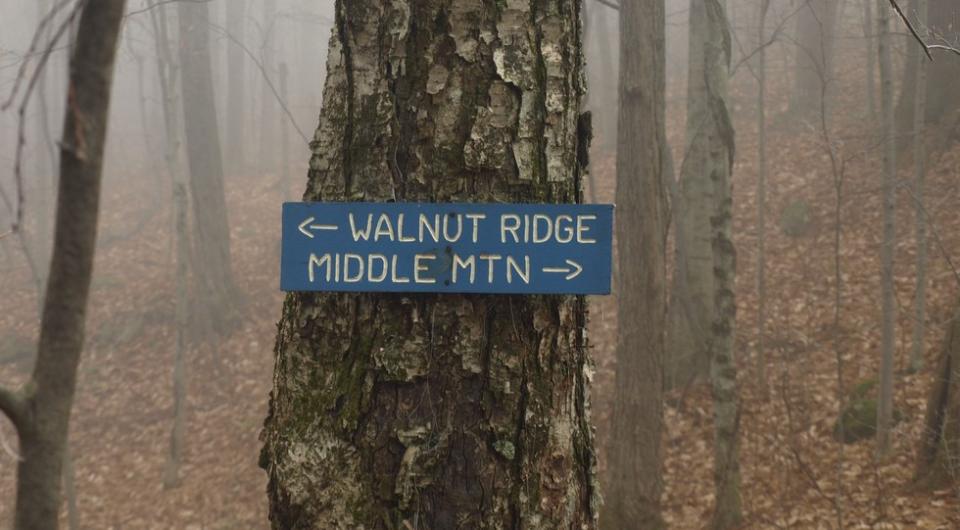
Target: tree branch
[[916, 35], [13, 405], [608, 3]]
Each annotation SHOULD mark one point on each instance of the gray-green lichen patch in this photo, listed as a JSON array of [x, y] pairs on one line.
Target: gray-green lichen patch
[[489, 144], [505, 448]]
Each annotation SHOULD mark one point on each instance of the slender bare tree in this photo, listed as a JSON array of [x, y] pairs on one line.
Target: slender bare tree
[[41, 409], [887, 322]]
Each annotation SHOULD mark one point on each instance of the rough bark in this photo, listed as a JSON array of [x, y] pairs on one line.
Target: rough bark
[[816, 31], [438, 411], [41, 410], [635, 480], [887, 322], [214, 301], [236, 87], [939, 446]]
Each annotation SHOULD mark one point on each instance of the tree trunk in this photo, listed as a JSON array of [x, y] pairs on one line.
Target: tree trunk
[[940, 439], [605, 92], [217, 294], [919, 175], [711, 23], [268, 103], [439, 411], [871, 59], [762, 194], [814, 64], [171, 472], [885, 402], [635, 465], [691, 310], [236, 87], [41, 411]]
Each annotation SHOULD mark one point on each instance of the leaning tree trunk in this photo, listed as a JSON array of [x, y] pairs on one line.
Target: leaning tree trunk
[[41, 411], [211, 250], [438, 411], [937, 457], [635, 465]]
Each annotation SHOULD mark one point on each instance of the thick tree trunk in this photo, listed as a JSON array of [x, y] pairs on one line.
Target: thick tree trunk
[[236, 87], [438, 411], [41, 411], [211, 250], [635, 480], [940, 440], [816, 29]]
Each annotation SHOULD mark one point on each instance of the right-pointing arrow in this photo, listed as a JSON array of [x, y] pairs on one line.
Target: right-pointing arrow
[[571, 272]]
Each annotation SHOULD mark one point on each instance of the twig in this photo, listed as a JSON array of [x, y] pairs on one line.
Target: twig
[[13, 405], [158, 4], [22, 109], [916, 35], [266, 78], [609, 4]]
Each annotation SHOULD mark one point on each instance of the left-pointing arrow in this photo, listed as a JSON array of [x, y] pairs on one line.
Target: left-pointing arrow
[[306, 227]]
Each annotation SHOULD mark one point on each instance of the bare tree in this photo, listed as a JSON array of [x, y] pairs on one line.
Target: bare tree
[[885, 401], [236, 88], [712, 48], [816, 30], [214, 303], [41, 409], [635, 464]]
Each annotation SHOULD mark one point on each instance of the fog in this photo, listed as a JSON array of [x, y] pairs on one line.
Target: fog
[[802, 349]]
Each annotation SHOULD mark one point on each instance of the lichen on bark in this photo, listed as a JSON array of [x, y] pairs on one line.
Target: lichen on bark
[[438, 411]]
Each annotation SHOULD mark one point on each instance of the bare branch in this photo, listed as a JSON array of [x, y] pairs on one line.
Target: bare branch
[[608, 3], [24, 103], [283, 104], [916, 35], [13, 405]]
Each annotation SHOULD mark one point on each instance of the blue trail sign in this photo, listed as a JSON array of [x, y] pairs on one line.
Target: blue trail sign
[[447, 248]]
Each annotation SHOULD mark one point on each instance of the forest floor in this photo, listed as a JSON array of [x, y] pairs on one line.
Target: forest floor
[[795, 475]]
